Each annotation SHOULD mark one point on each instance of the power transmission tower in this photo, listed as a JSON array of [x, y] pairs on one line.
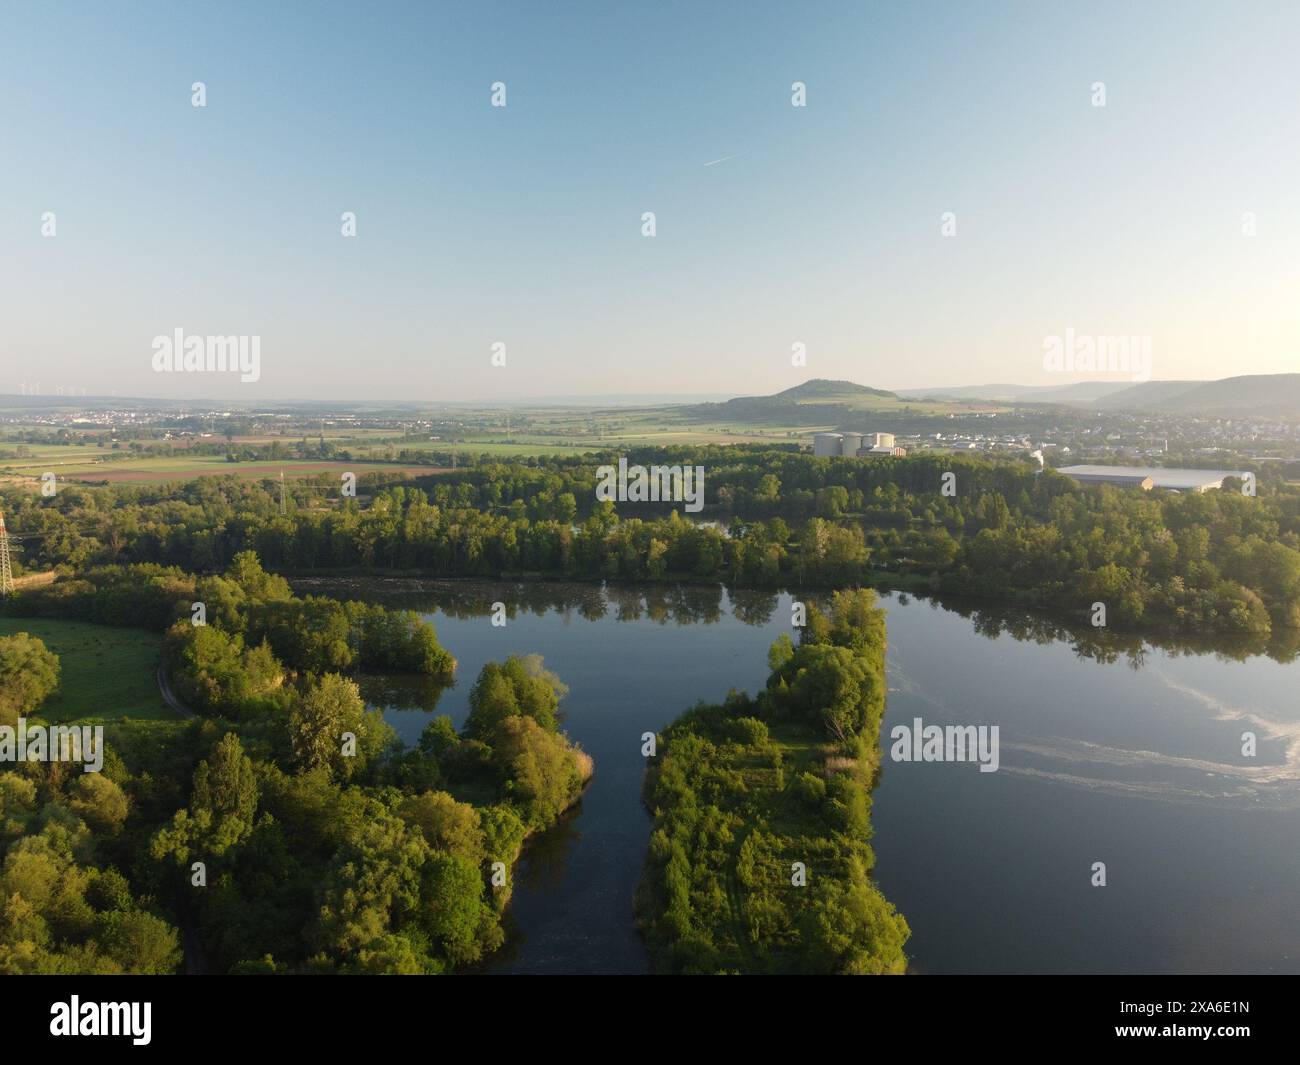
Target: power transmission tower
[[6, 570]]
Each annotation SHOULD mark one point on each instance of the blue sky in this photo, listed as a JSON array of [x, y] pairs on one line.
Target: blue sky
[[522, 224]]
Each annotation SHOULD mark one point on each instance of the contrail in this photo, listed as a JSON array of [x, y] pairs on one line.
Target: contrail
[[722, 160]]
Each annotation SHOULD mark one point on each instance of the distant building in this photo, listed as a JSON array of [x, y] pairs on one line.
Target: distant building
[[855, 445], [1148, 477], [828, 444]]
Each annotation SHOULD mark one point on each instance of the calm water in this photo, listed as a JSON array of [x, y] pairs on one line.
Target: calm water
[[1138, 766]]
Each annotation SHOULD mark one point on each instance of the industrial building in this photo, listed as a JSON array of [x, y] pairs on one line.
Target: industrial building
[[827, 444], [856, 445], [881, 451], [1148, 477]]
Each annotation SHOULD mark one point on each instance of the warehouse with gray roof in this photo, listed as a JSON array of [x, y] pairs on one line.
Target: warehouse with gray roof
[[1148, 477]]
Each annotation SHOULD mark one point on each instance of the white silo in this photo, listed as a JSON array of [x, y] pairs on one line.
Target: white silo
[[827, 444], [851, 443]]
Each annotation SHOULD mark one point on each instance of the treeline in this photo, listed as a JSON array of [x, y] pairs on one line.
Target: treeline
[[1218, 562], [244, 621], [759, 861], [286, 826]]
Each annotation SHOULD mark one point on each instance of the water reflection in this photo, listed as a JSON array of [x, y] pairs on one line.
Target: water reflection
[[409, 691], [545, 862], [1114, 747], [1108, 646], [679, 604], [705, 604]]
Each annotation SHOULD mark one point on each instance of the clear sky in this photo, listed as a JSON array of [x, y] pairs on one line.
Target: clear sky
[[522, 224]]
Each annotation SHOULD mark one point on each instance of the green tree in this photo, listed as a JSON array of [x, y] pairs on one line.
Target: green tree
[[99, 802], [223, 803], [454, 912], [323, 716], [448, 826], [139, 942], [520, 685], [29, 673], [540, 770]]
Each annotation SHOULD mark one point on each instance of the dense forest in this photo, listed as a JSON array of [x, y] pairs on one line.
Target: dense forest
[[1218, 562], [282, 827], [759, 860]]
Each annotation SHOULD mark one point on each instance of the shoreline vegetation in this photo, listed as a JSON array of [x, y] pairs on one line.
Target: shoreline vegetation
[[701, 601], [758, 859], [476, 796], [285, 829], [146, 764]]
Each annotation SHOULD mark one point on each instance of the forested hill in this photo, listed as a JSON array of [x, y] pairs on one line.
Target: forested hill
[[822, 387], [1269, 395]]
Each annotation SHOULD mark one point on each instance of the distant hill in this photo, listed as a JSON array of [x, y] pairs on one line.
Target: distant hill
[[1083, 392], [1268, 395], [816, 402], [847, 405], [1148, 395], [823, 388]]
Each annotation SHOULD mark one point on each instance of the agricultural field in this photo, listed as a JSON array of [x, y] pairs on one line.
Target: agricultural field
[[106, 673], [50, 454], [158, 469], [551, 431]]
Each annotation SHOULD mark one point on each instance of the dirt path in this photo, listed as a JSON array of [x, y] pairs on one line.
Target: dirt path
[[169, 695]]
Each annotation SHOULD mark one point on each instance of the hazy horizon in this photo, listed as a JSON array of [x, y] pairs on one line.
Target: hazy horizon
[[557, 399], [521, 225]]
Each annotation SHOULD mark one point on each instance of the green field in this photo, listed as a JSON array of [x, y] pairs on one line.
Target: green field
[[52, 453], [532, 431], [106, 673], [178, 467]]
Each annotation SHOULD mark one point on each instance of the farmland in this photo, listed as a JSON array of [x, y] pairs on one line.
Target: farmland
[[81, 464]]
